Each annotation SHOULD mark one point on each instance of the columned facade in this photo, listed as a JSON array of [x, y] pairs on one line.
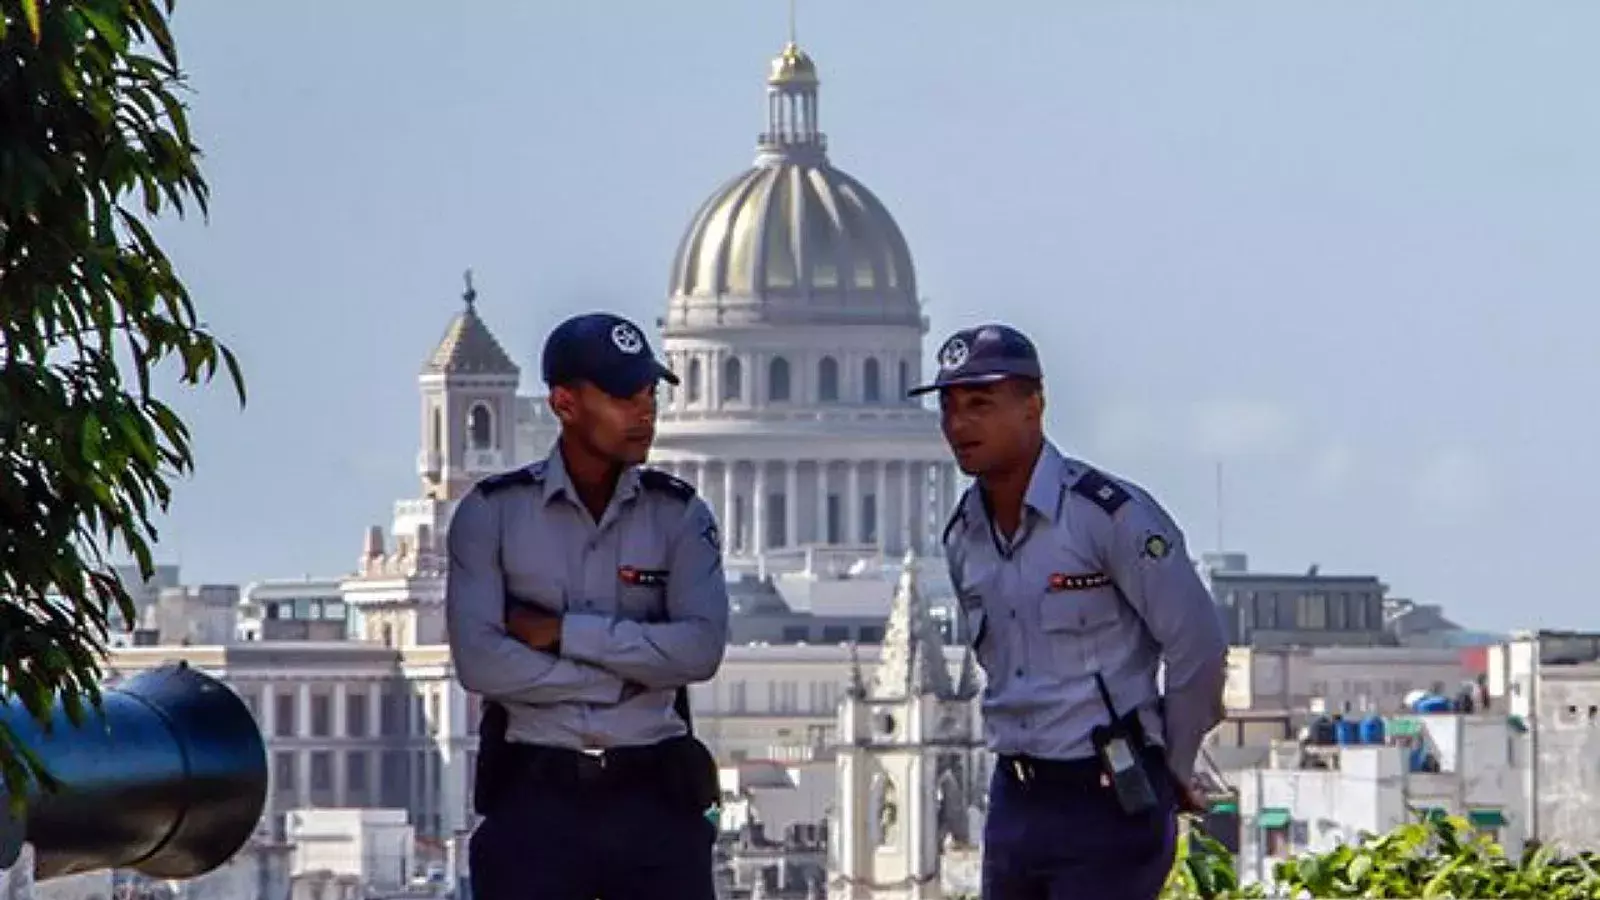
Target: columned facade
[[895, 505]]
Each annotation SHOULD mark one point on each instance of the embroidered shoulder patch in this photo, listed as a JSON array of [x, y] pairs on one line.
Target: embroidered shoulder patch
[[527, 475], [657, 480], [1101, 491]]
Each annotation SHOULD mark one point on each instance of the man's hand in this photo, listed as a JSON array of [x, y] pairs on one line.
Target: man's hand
[[536, 628], [1189, 798]]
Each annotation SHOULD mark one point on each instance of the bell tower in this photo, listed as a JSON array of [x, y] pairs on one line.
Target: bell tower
[[906, 761], [468, 389]]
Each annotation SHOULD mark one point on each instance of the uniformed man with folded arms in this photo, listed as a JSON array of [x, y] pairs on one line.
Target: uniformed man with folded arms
[[1075, 588], [585, 593]]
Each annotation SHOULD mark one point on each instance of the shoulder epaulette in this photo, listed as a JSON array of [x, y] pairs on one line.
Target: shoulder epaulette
[[667, 483], [1101, 491], [527, 475], [958, 517]]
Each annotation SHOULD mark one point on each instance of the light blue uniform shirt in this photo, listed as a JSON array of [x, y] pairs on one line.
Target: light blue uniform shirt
[[641, 593], [1097, 579]]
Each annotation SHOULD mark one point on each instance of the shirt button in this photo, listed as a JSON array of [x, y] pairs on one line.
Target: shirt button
[[1019, 673], [588, 604], [1013, 614]]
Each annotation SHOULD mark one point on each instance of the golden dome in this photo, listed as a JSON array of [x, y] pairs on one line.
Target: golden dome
[[792, 66]]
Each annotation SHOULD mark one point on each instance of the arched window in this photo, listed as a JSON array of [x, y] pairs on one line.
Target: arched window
[[692, 383], [480, 427], [436, 432], [828, 380], [778, 380], [732, 379], [871, 382]]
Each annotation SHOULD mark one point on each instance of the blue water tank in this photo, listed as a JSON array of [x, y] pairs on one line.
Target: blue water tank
[[1345, 732], [1433, 703], [1322, 731], [1372, 731], [1419, 759]]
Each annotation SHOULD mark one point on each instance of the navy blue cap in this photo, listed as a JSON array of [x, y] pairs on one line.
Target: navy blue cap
[[983, 355], [607, 351]]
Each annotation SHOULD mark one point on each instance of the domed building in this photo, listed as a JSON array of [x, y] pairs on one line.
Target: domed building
[[794, 322]]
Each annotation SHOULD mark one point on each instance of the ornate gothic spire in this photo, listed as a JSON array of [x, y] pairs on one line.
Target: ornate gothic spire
[[912, 664]]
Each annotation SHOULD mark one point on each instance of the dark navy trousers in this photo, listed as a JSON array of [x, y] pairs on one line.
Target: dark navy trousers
[[624, 839], [1055, 833]]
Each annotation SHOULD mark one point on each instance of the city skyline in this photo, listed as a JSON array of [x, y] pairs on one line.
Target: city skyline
[[1106, 162]]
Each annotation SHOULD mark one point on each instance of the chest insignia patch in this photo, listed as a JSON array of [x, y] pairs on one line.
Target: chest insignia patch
[[1061, 581], [642, 577]]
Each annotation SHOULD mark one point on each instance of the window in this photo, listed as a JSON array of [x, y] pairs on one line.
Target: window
[[905, 378], [732, 379], [1274, 823], [835, 519], [871, 378], [355, 771], [1313, 612], [736, 697], [283, 771], [692, 384], [777, 520], [480, 427], [828, 380], [778, 380], [321, 715], [321, 770], [796, 634], [355, 714], [869, 519], [835, 634], [283, 710]]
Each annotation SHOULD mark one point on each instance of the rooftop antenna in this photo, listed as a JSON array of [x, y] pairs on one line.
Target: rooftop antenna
[[793, 32], [471, 293]]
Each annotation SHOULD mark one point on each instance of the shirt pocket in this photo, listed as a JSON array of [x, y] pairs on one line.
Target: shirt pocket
[[1076, 625]]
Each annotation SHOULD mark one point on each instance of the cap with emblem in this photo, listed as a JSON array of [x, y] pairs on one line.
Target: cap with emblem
[[605, 350], [984, 355]]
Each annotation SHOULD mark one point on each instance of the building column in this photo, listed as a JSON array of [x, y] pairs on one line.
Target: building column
[[730, 539], [908, 506], [302, 709], [698, 470], [758, 508], [880, 505], [791, 504], [822, 501], [852, 525]]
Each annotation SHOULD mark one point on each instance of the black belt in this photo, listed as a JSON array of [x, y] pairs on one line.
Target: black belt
[[618, 765], [1075, 774]]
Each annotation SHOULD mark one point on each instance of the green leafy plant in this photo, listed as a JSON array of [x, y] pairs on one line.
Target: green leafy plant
[[1440, 858], [94, 142]]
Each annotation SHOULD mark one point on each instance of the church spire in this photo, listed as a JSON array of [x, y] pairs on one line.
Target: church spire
[[912, 664]]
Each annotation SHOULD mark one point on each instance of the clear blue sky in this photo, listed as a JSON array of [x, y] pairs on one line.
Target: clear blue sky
[[1348, 250]]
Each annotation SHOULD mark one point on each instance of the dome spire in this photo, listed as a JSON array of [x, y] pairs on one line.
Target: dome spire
[[470, 295], [793, 132]]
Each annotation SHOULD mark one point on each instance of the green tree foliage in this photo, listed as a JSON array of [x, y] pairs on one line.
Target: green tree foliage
[[1442, 858], [94, 143]]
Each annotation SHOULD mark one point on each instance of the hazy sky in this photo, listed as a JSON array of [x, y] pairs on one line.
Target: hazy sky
[[1347, 250]]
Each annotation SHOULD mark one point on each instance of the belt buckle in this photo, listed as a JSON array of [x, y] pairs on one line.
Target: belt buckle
[[1021, 770], [591, 763]]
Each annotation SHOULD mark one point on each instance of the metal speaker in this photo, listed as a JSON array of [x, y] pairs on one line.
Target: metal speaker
[[168, 778]]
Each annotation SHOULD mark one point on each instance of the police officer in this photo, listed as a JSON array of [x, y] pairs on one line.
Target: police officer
[[585, 592], [1075, 587]]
